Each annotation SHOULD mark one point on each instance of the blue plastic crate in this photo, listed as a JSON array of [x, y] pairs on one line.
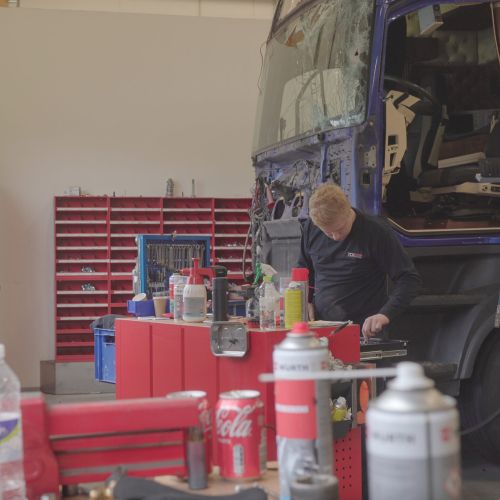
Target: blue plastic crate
[[104, 355], [141, 307]]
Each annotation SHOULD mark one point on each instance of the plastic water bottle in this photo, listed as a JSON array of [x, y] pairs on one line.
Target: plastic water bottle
[[269, 305], [12, 484]]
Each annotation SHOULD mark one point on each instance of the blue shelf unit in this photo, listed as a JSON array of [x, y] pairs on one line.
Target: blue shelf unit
[[161, 255]]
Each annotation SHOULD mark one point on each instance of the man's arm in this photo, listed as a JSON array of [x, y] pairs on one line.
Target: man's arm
[[394, 260]]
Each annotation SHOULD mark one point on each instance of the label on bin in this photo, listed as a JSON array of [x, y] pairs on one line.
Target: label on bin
[[10, 437]]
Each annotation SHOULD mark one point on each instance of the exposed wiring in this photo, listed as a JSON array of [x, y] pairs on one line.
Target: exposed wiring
[[245, 248], [258, 212], [486, 421]]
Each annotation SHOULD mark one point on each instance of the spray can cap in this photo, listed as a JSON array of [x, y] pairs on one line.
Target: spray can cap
[[300, 274], [301, 328], [410, 376]]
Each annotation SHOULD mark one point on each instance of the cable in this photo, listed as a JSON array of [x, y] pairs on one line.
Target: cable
[[481, 424]]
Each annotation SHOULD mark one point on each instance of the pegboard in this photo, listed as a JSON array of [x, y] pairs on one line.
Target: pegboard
[[347, 453]]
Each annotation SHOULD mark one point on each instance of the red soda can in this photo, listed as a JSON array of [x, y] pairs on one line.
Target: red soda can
[[205, 419], [241, 435]]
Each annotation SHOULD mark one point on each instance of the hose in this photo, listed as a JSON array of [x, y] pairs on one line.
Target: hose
[[485, 422]]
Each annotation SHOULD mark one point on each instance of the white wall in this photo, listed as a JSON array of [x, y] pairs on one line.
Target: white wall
[[247, 9], [112, 103]]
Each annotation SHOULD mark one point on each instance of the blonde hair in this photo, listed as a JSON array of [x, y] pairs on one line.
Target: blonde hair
[[327, 204]]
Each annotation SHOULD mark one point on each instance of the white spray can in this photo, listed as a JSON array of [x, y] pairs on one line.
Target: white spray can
[[303, 423], [412, 441]]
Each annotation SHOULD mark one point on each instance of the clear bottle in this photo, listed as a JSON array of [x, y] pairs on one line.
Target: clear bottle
[[12, 483], [252, 310], [269, 305]]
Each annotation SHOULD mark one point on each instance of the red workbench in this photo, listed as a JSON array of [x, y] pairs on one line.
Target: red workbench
[[155, 357]]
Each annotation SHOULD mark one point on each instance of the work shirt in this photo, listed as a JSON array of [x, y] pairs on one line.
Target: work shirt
[[348, 278]]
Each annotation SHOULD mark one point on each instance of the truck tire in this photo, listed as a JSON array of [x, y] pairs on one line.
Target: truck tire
[[480, 398]]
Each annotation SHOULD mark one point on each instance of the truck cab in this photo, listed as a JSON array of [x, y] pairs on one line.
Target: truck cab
[[398, 102]]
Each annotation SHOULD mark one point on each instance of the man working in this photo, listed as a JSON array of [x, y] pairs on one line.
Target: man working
[[349, 256]]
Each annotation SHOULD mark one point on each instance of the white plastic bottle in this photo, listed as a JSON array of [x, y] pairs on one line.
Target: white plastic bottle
[[269, 304], [194, 296], [12, 483]]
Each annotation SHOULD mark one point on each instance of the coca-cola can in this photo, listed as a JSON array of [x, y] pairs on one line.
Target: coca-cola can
[[241, 435], [205, 421]]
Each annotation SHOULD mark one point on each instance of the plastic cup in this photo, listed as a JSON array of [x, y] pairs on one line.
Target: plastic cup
[[160, 304]]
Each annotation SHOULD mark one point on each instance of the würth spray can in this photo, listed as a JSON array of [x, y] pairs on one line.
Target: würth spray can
[[303, 423], [412, 441]]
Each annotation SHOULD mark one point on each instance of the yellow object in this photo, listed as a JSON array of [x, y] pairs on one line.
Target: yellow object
[[339, 411], [293, 307], [339, 414]]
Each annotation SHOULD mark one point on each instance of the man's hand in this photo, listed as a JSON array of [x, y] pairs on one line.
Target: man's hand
[[310, 310], [374, 325]]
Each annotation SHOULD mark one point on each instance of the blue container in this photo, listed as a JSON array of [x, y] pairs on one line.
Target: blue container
[[236, 307], [104, 355], [141, 307]]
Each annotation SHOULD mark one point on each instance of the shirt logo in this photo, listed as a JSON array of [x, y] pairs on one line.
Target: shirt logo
[[355, 255]]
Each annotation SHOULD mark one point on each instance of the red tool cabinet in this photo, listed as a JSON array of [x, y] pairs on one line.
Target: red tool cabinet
[[157, 357], [95, 252]]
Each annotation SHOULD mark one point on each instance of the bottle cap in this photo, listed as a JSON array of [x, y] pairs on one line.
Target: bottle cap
[[2, 351], [301, 328], [410, 376], [300, 274]]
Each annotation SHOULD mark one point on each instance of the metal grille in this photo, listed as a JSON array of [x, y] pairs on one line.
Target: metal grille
[[164, 258]]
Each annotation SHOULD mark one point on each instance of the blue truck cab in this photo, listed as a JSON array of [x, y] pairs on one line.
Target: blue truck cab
[[398, 102]]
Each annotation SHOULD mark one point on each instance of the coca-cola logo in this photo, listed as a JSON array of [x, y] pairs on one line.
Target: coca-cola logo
[[239, 426]]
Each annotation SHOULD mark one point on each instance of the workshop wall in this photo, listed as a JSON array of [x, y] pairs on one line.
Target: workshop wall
[[112, 103], [247, 9]]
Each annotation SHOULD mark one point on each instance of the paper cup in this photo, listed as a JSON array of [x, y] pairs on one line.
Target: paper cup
[[160, 305]]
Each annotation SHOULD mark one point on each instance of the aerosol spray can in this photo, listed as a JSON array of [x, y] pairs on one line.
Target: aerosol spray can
[[303, 424], [412, 441]]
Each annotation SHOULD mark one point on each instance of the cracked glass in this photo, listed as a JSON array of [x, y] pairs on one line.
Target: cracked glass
[[315, 75], [287, 6]]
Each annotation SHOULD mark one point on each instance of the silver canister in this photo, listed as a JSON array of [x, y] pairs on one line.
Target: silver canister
[[199, 441], [413, 444]]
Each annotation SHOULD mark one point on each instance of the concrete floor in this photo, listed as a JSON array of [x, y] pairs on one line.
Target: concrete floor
[[481, 479]]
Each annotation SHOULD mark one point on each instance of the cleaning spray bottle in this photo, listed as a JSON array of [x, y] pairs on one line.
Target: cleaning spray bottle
[[195, 296]]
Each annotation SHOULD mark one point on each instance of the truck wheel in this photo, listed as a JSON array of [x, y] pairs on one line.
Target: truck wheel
[[480, 398]]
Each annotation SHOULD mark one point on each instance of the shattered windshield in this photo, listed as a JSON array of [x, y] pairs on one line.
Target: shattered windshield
[[315, 74], [288, 5]]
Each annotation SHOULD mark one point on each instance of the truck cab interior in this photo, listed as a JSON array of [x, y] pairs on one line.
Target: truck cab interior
[[442, 98]]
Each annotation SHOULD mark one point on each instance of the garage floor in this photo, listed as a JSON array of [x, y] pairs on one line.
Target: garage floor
[[481, 479]]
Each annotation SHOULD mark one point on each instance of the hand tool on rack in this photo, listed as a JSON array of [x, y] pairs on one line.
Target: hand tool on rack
[[69, 444]]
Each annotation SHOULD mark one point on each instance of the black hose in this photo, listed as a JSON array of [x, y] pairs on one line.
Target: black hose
[[486, 421]]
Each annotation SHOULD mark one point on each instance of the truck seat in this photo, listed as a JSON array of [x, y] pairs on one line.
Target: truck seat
[[487, 168]]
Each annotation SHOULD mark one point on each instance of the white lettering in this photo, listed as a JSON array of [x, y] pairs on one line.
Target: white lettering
[[238, 427]]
